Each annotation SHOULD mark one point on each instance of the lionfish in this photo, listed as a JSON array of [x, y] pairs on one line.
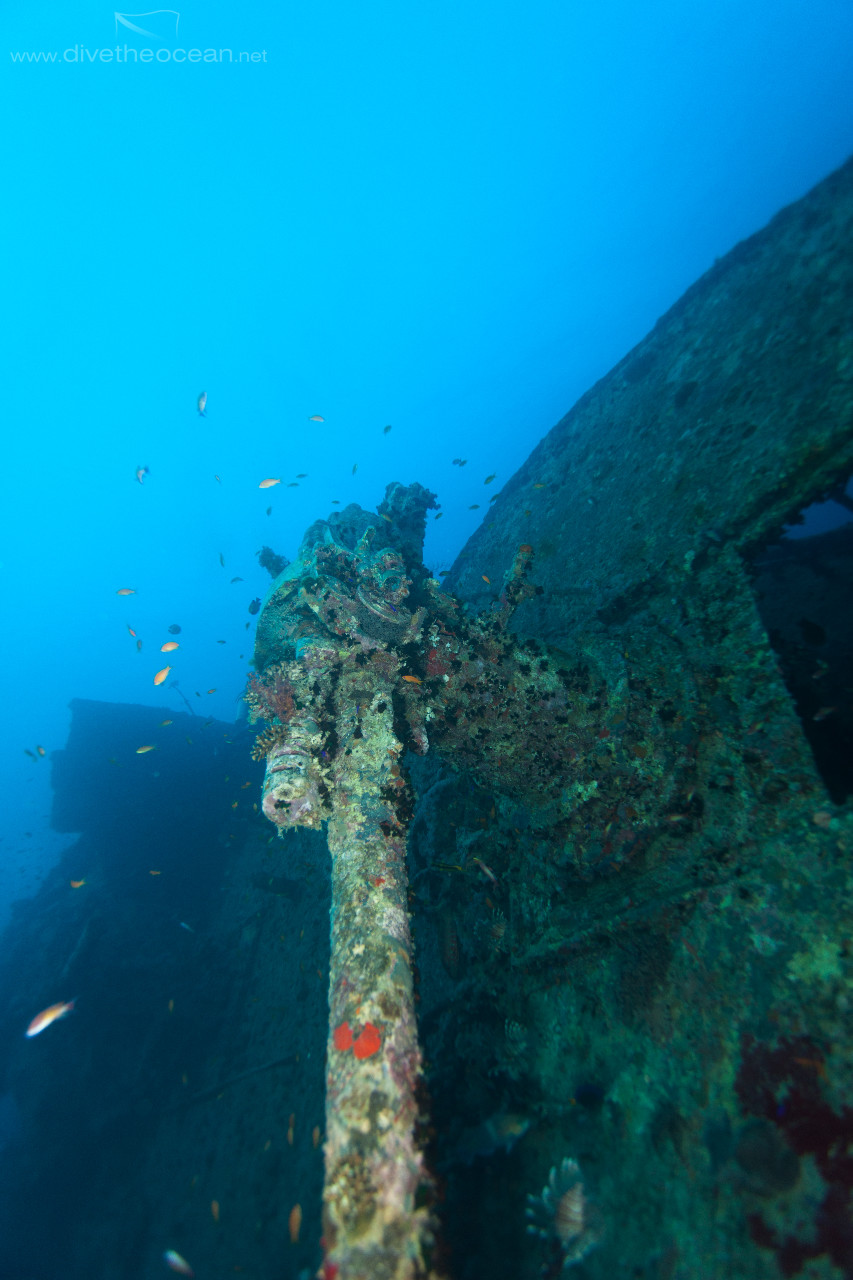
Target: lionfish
[[563, 1214]]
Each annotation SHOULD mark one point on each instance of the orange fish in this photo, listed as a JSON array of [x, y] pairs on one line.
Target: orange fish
[[140, 751], [154, 873], [41, 751], [413, 679], [214, 1209], [485, 579], [76, 884], [126, 591], [268, 484], [316, 418], [201, 402], [163, 723], [131, 632], [294, 1223], [169, 646], [211, 691], [315, 1135], [43, 1020], [161, 675]]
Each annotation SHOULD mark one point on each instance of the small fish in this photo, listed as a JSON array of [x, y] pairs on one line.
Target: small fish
[[76, 884], [388, 518], [221, 641], [475, 506], [187, 927], [214, 1210], [211, 691], [41, 751], [494, 498], [255, 606], [202, 403], [139, 646], [294, 1223], [131, 632], [354, 467], [163, 723], [489, 479], [291, 1122], [141, 473], [294, 484], [485, 579], [154, 873], [315, 1136], [169, 646], [316, 418], [268, 484], [222, 559], [440, 514], [413, 679], [173, 1260], [823, 713], [161, 675], [43, 1020], [31, 754], [539, 486], [486, 870], [140, 751], [174, 630], [216, 478], [385, 430], [335, 502], [233, 580], [126, 591], [303, 475], [269, 513], [459, 462], [171, 1006]]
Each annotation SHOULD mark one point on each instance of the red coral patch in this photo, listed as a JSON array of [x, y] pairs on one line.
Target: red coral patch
[[368, 1043], [343, 1037]]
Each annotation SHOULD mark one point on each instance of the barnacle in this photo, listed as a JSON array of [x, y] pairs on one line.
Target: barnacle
[[563, 1213]]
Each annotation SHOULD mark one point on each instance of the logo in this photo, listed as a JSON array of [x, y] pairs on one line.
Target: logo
[[164, 25]]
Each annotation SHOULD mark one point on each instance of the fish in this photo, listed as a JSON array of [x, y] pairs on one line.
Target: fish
[[268, 483], [269, 513], [163, 723], [489, 479], [131, 632], [140, 751], [171, 1006], [169, 646], [188, 928], [385, 430], [255, 606], [126, 591], [539, 486], [485, 579], [154, 873], [475, 506], [413, 679], [459, 462], [315, 1136], [214, 1210], [294, 1223], [174, 630], [139, 646], [335, 502], [201, 403], [233, 580], [52, 1014], [500, 1131], [388, 518], [221, 641], [141, 473], [486, 870], [294, 484], [440, 514], [216, 478], [173, 1259], [222, 559], [76, 884], [41, 751], [823, 713], [211, 691], [316, 418], [291, 1122], [354, 467], [302, 475], [161, 675]]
